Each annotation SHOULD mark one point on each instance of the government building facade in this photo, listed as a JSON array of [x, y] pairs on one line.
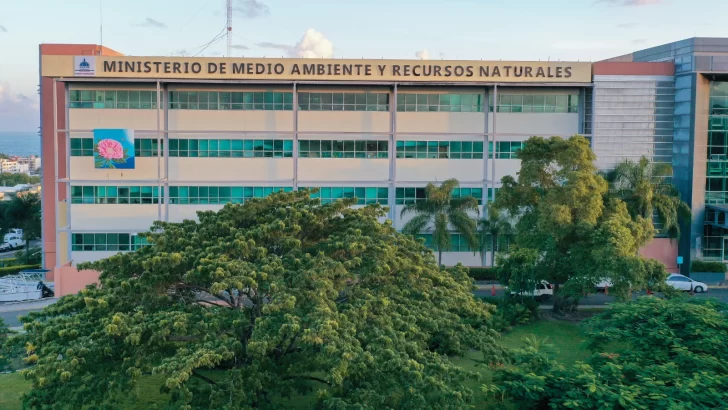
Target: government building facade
[[130, 140]]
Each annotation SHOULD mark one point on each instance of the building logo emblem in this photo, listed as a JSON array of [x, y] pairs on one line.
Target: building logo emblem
[[84, 66]]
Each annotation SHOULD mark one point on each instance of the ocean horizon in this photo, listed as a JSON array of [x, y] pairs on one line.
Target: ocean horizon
[[20, 143]]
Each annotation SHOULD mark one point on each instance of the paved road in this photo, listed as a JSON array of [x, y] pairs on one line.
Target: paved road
[[11, 318], [11, 254], [602, 299]]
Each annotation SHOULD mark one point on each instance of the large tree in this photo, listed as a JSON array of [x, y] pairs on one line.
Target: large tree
[[439, 212], [669, 354], [258, 302], [22, 212], [581, 238], [647, 190]]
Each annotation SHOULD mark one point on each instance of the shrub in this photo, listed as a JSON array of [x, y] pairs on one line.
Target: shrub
[[512, 311], [8, 262], [12, 270], [706, 266], [483, 273]]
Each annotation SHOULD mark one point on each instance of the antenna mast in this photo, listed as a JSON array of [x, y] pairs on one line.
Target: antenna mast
[[229, 26]]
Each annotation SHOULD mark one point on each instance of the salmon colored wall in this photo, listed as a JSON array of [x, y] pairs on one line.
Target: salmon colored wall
[[68, 280], [664, 251]]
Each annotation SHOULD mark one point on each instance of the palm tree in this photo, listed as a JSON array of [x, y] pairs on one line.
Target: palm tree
[[438, 211], [495, 225], [646, 189]]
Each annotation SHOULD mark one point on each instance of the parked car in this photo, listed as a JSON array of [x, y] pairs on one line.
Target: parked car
[[684, 283], [543, 291], [5, 247]]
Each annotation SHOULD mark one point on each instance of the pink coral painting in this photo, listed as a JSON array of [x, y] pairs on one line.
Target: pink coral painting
[[113, 148]]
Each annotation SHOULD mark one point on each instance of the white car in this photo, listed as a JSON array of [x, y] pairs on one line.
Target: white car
[[543, 291], [681, 282]]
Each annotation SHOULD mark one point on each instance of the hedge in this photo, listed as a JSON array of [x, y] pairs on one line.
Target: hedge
[[705, 266], [7, 262], [12, 270], [483, 273]]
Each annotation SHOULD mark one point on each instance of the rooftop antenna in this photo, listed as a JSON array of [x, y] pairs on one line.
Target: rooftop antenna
[[229, 26]]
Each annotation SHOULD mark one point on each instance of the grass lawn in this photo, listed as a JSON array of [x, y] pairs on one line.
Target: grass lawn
[[564, 335]]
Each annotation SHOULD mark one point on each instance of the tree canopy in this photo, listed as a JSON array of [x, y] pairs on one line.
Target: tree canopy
[[261, 301], [581, 235], [22, 212], [12, 179], [649, 354]]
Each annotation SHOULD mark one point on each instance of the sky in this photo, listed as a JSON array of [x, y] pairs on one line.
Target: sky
[[528, 30]]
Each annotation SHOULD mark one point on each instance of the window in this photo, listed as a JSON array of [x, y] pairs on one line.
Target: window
[[231, 100], [117, 99], [440, 149], [143, 147], [343, 149], [219, 195], [492, 194], [343, 101], [506, 149], [536, 103], [111, 194], [231, 148], [106, 242], [364, 195], [404, 196], [440, 102], [457, 243]]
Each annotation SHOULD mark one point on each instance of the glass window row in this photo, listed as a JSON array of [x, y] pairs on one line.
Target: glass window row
[[231, 100], [115, 194], [224, 148], [343, 149], [117, 99], [364, 195], [458, 243], [505, 149], [219, 195], [440, 149], [440, 102], [341, 101], [410, 195], [536, 103], [105, 242]]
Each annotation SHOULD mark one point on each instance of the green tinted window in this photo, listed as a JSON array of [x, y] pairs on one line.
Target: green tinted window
[[218, 195], [440, 149], [115, 194], [506, 149], [440, 102], [107, 242], [364, 195], [457, 243], [231, 148], [536, 103], [118, 99], [343, 149], [343, 101], [231, 100], [409, 195]]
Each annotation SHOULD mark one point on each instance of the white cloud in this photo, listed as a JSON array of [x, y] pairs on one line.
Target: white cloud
[[423, 54], [251, 8], [313, 44], [18, 112], [151, 23]]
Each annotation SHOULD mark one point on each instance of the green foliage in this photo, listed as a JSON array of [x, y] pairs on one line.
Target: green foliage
[[645, 188], [518, 269], [5, 364], [12, 270], [672, 353], [22, 212], [707, 266], [277, 297], [492, 227], [513, 311], [12, 179], [580, 238], [33, 256], [440, 211], [483, 273], [8, 262]]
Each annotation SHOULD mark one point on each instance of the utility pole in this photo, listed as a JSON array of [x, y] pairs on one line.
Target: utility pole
[[229, 26]]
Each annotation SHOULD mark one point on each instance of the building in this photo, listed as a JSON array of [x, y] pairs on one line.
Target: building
[[31, 163], [191, 134], [8, 192]]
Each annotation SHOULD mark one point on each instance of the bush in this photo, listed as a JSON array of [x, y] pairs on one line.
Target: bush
[[705, 266], [483, 273], [12, 270], [512, 311], [8, 262]]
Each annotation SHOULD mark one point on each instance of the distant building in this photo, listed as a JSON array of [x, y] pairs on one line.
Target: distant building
[[8, 192]]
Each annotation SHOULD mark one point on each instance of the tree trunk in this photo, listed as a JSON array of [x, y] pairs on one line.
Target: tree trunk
[[493, 241], [439, 256]]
